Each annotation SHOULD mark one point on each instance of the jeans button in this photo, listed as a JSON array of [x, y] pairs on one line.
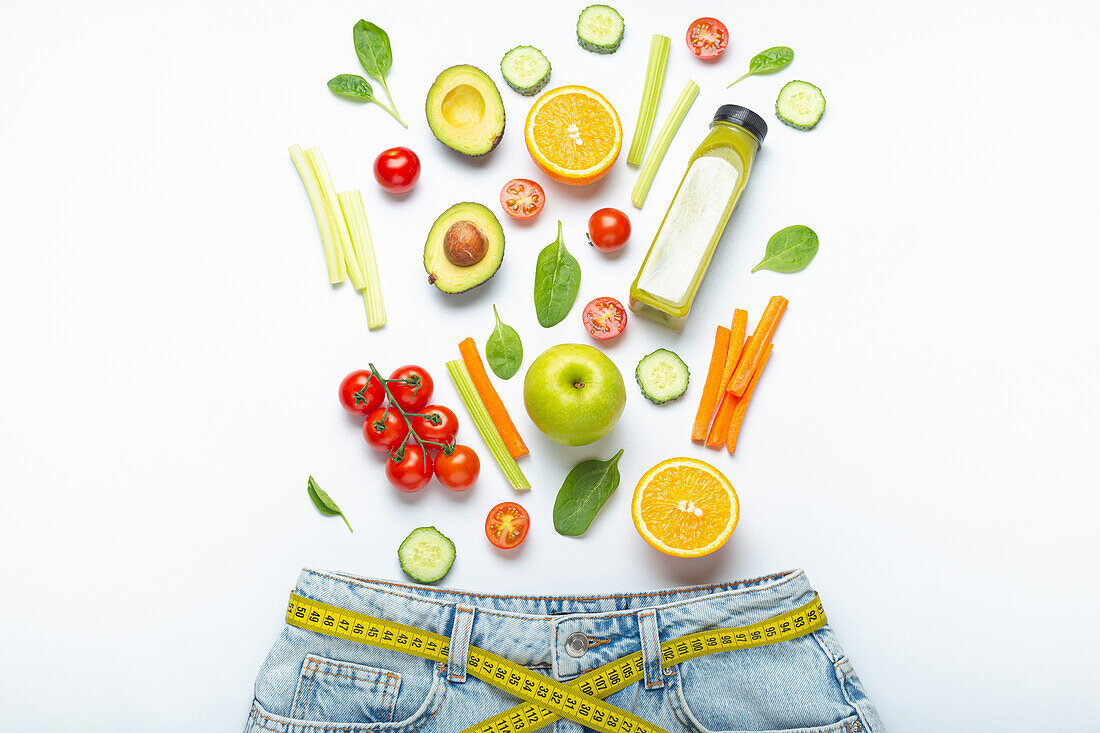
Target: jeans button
[[576, 644]]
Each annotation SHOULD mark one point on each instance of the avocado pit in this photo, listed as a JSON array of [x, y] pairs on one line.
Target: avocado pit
[[464, 245]]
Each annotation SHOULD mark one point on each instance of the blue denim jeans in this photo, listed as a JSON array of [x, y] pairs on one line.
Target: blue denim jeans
[[312, 683]]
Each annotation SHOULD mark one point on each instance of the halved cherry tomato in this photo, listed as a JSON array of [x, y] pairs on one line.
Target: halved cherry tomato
[[707, 37], [458, 470], [522, 198], [417, 393], [507, 524], [409, 469], [361, 393], [605, 318], [442, 430], [397, 169], [384, 430], [608, 230]]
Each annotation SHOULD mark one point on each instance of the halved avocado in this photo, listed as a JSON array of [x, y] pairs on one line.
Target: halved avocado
[[465, 111], [464, 249]]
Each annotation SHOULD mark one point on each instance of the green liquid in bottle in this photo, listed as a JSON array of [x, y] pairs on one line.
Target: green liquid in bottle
[[682, 249]]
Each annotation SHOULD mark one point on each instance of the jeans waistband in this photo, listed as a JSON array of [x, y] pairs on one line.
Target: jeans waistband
[[532, 630]]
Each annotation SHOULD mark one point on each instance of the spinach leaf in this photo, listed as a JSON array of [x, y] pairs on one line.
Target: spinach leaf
[[789, 250], [372, 45], [324, 503], [504, 350], [557, 282], [767, 62], [352, 86], [585, 490]]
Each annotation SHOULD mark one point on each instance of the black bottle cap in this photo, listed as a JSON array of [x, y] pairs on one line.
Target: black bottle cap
[[744, 117]]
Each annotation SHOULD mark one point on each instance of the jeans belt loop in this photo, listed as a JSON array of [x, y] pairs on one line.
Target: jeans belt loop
[[651, 649], [460, 643]]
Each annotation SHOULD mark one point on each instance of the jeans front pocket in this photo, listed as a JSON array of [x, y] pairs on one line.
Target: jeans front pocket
[[344, 692], [790, 687]]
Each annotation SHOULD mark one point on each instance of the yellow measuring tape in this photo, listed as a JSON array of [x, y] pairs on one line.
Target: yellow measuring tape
[[546, 699]]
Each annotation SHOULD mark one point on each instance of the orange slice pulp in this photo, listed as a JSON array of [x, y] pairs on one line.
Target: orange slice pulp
[[573, 134], [685, 507]]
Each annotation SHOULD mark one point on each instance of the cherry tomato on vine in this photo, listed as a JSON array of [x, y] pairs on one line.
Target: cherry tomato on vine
[[411, 470], [443, 431], [361, 393], [415, 395], [707, 37], [384, 430], [522, 198], [397, 169], [458, 470], [608, 230], [605, 318], [507, 524]]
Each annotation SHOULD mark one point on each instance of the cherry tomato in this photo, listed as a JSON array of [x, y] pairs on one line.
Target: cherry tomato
[[361, 393], [443, 431], [411, 470], [458, 470], [412, 396], [397, 169], [605, 318], [707, 38], [608, 230], [384, 430], [522, 198], [507, 524]]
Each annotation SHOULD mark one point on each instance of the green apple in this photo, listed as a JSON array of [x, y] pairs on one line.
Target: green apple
[[574, 394]]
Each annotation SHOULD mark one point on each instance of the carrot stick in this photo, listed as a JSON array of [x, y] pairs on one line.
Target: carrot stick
[[760, 338], [489, 396], [712, 386], [737, 345], [721, 427], [743, 402]]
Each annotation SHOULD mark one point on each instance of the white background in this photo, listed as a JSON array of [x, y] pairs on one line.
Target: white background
[[923, 442]]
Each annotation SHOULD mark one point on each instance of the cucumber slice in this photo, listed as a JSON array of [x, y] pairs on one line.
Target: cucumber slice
[[600, 29], [526, 69], [800, 105], [662, 375], [426, 555]]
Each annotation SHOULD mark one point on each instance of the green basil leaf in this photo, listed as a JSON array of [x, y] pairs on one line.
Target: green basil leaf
[[372, 45], [351, 86], [324, 502], [772, 60], [504, 350], [789, 250], [557, 282], [767, 62], [585, 490]]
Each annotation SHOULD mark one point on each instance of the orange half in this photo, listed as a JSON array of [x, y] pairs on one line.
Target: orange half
[[685, 507], [573, 134]]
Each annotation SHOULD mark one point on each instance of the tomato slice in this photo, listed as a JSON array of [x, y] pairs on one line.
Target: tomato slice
[[522, 198], [605, 318], [507, 524], [707, 37]]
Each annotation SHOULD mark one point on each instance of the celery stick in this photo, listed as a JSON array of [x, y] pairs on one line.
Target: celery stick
[[651, 95], [660, 145], [484, 423], [351, 204], [324, 224], [332, 206]]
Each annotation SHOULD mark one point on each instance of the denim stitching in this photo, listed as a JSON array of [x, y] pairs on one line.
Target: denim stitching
[[612, 614], [672, 591], [350, 726]]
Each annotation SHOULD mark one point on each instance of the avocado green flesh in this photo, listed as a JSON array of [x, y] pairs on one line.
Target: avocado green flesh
[[447, 276], [465, 111]]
